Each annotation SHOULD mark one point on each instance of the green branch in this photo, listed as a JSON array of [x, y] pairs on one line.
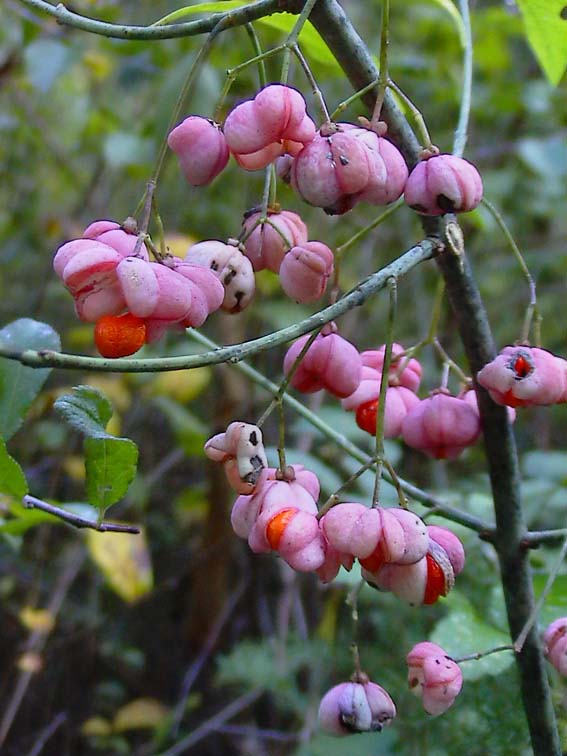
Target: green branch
[[356, 297], [236, 17]]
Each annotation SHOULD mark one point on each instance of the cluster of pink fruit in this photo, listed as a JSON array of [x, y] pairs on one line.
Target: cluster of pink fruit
[[333, 168], [441, 425], [364, 706], [277, 511], [132, 300]]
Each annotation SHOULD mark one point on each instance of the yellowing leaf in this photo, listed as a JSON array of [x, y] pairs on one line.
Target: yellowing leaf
[[37, 619], [96, 727], [74, 466], [140, 714], [99, 64], [178, 244], [114, 387], [30, 662], [114, 425], [181, 385], [124, 560]]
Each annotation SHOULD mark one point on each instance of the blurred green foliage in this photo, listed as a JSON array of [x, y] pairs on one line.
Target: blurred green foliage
[[81, 121]]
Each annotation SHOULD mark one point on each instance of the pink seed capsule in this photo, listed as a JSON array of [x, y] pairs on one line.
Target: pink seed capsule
[[356, 707], [201, 149], [426, 580], [433, 676], [555, 645], [117, 237], [331, 170], [389, 172], [443, 184], [364, 401], [403, 371], [260, 130], [352, 528], [305, 271], [88, 270], [231, 267], [331, 362], [139, 285], [441, 426], [523, 376], [267, 243]]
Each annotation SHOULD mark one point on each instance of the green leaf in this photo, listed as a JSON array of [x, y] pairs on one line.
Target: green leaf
[[309, 38], [12, 479], [19, 385], [111, 466], [110, 462], [546, 29], [464, 632], [86, 410]]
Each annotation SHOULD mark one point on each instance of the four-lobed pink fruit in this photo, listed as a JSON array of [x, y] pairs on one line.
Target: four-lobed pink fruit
[[443, 184], [201, 149], [275, 122], [441, 426], [352, 707], [433, 676], [331, 362], [266, 243], [305, 271], [523, 376]]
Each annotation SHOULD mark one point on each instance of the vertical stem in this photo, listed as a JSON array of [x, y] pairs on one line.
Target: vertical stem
[[383, 78], [185, 89], [258, 52], [465, 109], [314, 86], [531, 309], [381, 410]]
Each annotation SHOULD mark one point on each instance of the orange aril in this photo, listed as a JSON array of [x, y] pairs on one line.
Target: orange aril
[[435, 585], [277, 525], [366, 416], [119, 335]]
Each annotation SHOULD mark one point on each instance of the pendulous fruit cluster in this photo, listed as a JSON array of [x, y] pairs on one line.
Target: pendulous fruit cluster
[[334, 168], [108, 282]]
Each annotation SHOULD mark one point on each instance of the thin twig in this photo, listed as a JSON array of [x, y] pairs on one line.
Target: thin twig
[[531, 309], [196, 667], [30, 502], [234, 707], [482, 654], [38, 638], [521, 639], [47, 733]]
